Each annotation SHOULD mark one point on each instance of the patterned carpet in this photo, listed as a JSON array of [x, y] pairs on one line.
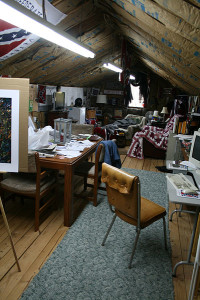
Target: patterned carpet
[[81, 269]]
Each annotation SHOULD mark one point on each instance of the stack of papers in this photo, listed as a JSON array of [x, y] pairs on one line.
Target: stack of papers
[[73, 148]]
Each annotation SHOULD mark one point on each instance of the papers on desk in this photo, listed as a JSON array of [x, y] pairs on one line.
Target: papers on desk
[[173, 166], [184, 136], [188, 164], [196, 195], [73, 148]]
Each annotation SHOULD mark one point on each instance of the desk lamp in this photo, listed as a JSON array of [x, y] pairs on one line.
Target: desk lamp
[[164, 112], [155, 115]]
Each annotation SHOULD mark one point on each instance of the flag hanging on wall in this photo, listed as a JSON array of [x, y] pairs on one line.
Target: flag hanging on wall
[[13, 39], [41, 93]]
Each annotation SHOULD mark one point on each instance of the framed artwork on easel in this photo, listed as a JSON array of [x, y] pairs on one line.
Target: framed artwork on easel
[[9, 130]]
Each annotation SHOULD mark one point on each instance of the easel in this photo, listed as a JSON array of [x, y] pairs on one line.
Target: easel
[[9, 233]]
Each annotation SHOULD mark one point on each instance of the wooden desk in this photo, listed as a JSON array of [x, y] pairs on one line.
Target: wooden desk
[[68, 165]]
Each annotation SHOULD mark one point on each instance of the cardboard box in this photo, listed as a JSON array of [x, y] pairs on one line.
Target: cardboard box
[[91, 114], [21, 84], [33, 94]]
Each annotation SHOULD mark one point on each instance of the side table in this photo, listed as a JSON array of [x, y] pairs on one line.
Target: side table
[[158, 124]]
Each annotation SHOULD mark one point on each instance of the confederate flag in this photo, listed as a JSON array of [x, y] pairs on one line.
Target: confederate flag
[[14, 40]]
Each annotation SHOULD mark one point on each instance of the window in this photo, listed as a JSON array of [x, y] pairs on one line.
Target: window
[[138, 99]]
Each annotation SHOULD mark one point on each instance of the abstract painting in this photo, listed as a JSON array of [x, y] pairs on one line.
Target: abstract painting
[[5, 130], [9, 130]]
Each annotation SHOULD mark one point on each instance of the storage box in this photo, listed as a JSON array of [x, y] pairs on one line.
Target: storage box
[[91, 114], [33, 90]]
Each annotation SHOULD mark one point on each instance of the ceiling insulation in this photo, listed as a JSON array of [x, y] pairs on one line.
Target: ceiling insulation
[[163, 37]]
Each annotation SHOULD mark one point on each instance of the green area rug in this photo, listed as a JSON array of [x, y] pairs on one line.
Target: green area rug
[[81, 269]]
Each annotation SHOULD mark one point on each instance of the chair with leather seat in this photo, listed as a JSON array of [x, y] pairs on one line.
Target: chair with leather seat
[[40, 186], [123, 191], [92, 170]]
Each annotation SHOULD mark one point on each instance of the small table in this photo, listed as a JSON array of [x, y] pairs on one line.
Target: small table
[[68, 165], [188, 201], [158, 124]]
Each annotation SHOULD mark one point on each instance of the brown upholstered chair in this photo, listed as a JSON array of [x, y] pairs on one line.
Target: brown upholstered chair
[[40, 186], [123, 191]]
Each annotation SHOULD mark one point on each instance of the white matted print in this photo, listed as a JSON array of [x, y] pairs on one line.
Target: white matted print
[[9, 130]]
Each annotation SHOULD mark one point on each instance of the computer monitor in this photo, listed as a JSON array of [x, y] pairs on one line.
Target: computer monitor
[[195, 151]]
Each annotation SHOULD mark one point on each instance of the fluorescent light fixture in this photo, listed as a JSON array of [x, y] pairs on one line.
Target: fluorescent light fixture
[[112, 67], [14, 13], [132, 77], [115, 69]]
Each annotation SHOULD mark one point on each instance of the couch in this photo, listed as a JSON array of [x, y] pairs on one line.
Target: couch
[[128, 126]]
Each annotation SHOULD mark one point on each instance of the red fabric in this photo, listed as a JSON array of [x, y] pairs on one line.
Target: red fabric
[[99, 131], [155, 135]]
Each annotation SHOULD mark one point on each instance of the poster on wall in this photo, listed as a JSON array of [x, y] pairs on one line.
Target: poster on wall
[[9, 130]]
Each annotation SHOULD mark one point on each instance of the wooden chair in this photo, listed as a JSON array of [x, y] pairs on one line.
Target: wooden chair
[[40, 186], [92, 170], [123, 191]]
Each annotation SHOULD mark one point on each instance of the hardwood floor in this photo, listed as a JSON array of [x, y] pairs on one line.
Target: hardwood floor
[[33, 248]]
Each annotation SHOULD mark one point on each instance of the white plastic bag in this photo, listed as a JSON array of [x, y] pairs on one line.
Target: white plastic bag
[[38, 140]]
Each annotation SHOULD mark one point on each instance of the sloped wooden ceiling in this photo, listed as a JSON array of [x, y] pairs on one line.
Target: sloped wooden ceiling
[[163, 37]]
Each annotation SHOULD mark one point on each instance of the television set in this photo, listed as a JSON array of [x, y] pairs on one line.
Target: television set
[[59, 100], [194, 157]]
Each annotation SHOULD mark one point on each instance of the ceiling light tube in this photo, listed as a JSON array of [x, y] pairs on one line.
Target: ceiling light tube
[[112, 67], [14, 13], [132, 77], [115, 69]]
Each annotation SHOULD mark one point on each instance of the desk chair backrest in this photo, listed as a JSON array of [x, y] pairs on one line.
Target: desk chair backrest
[[123, 193]]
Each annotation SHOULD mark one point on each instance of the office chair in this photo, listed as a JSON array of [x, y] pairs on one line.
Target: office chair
[[123, 191], [40, 186]]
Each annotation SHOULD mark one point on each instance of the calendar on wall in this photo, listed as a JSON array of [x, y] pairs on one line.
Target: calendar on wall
[[9, 130]]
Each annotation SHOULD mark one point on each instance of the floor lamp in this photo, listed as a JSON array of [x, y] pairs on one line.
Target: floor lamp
[[9, 233]]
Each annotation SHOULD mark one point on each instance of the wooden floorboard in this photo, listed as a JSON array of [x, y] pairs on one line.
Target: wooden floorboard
[[34, 248]]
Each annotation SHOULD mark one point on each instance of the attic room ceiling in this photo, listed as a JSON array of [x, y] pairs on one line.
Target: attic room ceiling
[[163, 38]]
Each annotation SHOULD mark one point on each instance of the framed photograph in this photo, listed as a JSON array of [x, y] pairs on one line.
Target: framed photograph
[[9, 130]]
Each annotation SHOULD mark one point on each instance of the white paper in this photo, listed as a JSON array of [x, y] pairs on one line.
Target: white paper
[[184, 136], [188, 164], [69, 154]]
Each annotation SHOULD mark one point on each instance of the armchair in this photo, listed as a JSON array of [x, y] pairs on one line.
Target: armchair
[[132, 129], [152, 141]]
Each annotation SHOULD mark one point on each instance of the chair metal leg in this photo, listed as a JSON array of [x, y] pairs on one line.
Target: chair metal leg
[[134, 247], [108, 231], [165, 234]]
